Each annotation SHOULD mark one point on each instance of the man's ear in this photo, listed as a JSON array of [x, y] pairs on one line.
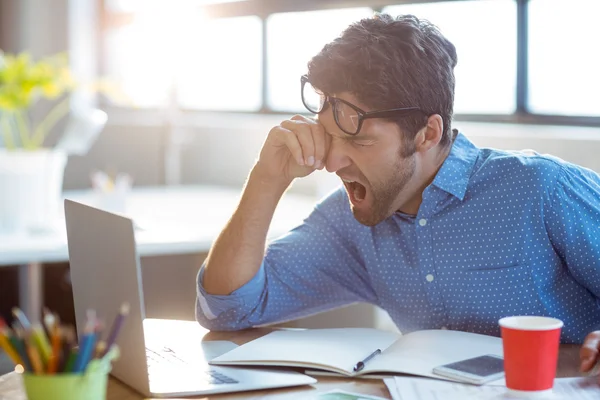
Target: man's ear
[[431, 134]]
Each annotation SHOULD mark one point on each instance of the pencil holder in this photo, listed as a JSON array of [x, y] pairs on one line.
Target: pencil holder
[[90, 385]]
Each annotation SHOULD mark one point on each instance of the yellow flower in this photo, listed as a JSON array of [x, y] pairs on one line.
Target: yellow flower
[[23, 82]]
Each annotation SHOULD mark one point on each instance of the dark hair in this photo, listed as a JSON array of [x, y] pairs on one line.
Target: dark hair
[[391, 63]]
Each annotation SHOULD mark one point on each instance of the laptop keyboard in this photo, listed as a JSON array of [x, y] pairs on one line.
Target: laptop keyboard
[[167, 358]]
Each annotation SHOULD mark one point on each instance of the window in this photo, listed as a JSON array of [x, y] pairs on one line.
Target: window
[[222, 69], [564, 61], [292, 40], [484, 33], [140, 57], [531, 56], [163, 52]]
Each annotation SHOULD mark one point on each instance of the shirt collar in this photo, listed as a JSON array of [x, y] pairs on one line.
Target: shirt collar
[[453, 176]]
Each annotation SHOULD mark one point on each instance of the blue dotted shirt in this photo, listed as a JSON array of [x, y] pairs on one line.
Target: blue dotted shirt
[[497, 234]]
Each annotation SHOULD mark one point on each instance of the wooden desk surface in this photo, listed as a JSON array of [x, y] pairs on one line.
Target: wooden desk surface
[[11, 387]]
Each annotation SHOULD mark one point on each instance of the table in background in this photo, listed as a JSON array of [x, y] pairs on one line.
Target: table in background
[[171, 220], [11, 387]]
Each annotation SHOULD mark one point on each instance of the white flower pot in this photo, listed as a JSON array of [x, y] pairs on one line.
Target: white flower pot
[[30, 189]]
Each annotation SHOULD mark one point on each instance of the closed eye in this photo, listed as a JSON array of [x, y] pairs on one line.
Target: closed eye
[[363, 143]]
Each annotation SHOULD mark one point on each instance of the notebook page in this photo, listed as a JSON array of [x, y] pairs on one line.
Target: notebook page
[[333, 349], [419, 352]]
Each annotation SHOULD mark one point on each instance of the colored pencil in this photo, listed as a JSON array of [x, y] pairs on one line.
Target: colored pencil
[[116, 327], [7, 346]]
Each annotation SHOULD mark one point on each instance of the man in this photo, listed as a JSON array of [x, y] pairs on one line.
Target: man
[[437, 232]]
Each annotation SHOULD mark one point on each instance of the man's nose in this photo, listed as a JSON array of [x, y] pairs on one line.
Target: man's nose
[[336, 157]]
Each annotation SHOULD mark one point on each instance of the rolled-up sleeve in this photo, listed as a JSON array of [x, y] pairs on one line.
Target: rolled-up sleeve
[[211, 306]]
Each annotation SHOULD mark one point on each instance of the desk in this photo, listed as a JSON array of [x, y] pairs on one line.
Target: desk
[[10, 384], [171, 220]]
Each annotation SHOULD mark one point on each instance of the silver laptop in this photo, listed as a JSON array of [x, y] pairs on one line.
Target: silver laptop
[[157, 358]]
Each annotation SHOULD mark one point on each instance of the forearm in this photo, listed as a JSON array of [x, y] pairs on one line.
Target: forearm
[[237, 254]]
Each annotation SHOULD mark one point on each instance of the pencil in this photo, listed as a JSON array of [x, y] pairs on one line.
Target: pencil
[[116, 327], [21, 318], [85, 354], [41, 341], [100, 349], [50, 320], [67, 346], [71, 357], [87, 344], [54, 360], [8, 348], [18, 343], [34, 356]]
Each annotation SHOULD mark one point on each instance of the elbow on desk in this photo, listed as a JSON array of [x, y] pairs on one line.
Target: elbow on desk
[[225, 321]]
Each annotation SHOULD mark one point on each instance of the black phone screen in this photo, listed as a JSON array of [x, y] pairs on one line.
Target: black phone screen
[[481, 366]]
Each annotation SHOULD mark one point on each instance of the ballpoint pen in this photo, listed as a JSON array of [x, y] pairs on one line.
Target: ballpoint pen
[[361, 364]]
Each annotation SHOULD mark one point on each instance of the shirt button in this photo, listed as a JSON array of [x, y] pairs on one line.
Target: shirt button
[[429, 278], [422, 222]]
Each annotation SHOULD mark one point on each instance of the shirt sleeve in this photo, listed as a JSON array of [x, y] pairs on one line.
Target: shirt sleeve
[[573, 224], [313, 268]]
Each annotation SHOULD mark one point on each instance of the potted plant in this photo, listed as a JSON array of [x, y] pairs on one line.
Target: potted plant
[[31, 175]]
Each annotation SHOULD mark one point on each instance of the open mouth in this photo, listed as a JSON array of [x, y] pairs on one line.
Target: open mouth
[[356, 191]]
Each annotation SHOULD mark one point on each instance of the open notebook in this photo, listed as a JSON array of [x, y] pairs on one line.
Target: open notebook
[[339, 350]]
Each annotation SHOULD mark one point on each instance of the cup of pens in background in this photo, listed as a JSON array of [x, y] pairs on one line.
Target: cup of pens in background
[[51, 364], [111, 194]]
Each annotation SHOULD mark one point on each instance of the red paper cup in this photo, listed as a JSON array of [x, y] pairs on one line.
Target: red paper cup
[[530, 353]]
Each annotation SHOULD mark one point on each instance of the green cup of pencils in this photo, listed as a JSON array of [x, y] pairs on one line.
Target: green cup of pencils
[[51, 364], [89, 385]]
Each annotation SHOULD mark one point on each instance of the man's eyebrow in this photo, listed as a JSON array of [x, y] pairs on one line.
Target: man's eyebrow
[[366, 136], [360, 136]]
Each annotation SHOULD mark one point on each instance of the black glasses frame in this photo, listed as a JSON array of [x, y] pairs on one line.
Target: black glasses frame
[[362, 115]]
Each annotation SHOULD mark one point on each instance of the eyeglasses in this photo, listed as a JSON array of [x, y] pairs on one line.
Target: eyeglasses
[[348, 117]]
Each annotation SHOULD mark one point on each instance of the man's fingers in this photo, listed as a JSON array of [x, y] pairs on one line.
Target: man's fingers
[[303, 132], [299, 117], [321, 145], [290, 140], [590, 351]]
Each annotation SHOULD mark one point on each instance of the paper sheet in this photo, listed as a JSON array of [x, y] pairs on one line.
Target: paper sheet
[[408, 388], [338, 394]]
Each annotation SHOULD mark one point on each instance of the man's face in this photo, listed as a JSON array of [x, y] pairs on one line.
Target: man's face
[[376, 166]]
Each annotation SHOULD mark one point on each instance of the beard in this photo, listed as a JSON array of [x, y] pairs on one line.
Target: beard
[[384, 193]]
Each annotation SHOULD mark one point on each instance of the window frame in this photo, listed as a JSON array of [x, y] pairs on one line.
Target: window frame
[[264, 8]]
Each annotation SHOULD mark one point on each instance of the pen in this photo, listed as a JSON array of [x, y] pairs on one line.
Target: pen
[[361, 364]]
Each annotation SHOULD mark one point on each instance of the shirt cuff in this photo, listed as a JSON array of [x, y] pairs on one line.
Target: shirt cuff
[[214, 305]]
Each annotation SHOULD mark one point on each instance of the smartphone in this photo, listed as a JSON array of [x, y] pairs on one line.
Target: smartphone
[[478, 370]]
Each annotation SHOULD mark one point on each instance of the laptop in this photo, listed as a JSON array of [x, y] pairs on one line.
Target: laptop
[[157, 358]]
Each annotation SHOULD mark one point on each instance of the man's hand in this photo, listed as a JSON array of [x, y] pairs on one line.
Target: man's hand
[[590, 351], [293, 149]]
